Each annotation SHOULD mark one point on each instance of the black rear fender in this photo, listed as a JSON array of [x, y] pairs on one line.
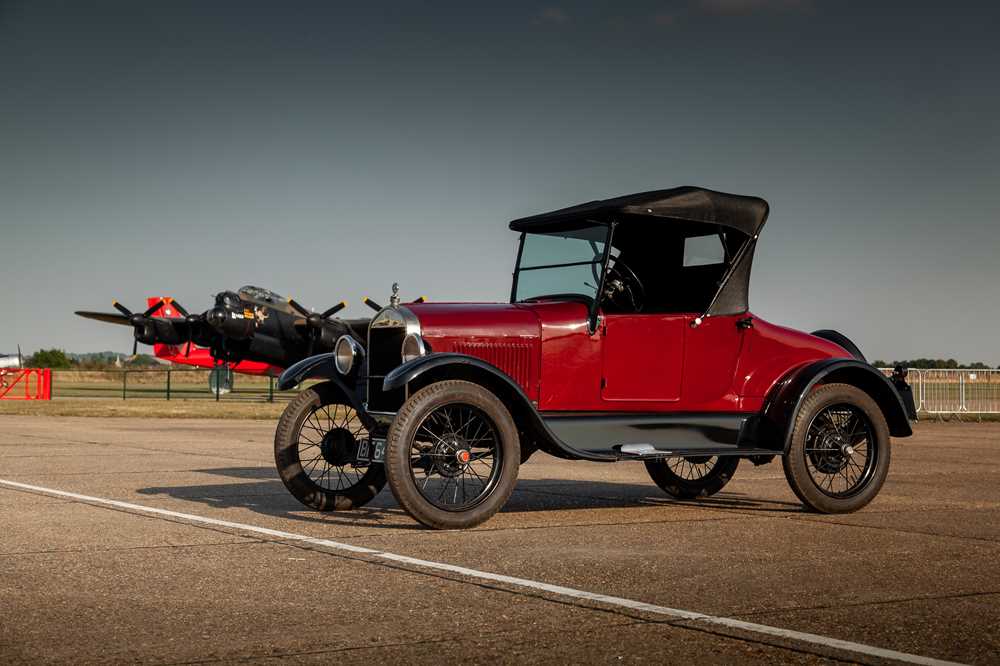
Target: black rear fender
[[778, 415], [841, 340]]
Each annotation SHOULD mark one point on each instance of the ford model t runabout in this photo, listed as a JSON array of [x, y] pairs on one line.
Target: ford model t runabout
[[627, 337]]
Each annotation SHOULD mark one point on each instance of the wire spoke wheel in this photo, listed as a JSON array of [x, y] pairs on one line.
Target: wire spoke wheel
[[327, 445], [839, 454], [455, 457], [839, 451], [452, 455], [690, 477], [692, 468], [316, 448]]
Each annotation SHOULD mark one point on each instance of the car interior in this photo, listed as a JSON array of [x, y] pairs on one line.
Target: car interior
[[679, 265]]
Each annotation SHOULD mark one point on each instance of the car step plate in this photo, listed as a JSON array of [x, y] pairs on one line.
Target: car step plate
[[642, 451], [371, 450]]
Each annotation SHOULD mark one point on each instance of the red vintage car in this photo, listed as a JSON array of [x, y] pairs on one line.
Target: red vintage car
[[627, 337]]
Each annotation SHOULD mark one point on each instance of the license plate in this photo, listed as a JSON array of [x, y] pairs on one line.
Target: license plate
[[371, 450]]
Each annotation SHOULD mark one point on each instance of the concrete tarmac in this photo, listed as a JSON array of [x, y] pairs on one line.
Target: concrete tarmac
[[917, 571]]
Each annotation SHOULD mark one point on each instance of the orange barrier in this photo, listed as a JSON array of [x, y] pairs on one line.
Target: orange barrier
[[25, 384]]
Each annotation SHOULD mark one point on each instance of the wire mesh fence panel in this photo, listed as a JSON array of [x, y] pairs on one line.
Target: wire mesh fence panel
[[954, 391], [980, 391], [942, 391]]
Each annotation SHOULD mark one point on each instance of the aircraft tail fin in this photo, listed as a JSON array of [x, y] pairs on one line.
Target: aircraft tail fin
[[167, 310], [167, 352]]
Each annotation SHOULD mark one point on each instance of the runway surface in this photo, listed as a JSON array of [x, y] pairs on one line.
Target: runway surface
[[160, 541]]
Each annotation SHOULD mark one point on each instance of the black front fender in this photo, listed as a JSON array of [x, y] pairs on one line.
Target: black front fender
[[778, 415], [320, 365]]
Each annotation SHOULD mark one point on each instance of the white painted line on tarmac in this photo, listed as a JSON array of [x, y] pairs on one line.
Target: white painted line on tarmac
[[558, 590]]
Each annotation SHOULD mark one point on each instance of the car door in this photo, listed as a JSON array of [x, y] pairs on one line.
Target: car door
[[642, 357]]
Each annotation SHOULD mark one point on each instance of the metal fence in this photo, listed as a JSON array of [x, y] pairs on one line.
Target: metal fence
[[165, 384], [959, 391]]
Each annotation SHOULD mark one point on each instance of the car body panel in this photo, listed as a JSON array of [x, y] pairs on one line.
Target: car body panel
[[770, 352], [642, 358], [504, 335]]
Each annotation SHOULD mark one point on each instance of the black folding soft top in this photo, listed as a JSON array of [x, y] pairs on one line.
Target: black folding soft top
[[693, 204]]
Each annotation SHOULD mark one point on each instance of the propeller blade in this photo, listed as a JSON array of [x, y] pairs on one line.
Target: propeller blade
[[153, 308], [334, 310], [179, 308], [121, 308], [135, 347], [187, 350], [372, 304], [420, 300], [298, 308]]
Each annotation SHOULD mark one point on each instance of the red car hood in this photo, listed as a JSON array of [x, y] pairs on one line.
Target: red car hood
[[495, 320]]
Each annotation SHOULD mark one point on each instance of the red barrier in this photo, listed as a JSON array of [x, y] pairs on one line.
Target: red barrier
[[25, 384]]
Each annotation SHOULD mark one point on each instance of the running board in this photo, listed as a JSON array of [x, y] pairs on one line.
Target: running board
[[650, 452]]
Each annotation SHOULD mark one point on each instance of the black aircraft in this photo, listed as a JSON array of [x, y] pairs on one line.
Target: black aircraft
[[254, 330]]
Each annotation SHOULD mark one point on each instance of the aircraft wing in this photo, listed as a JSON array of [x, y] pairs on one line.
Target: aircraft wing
[[109, 317], [177, 324]]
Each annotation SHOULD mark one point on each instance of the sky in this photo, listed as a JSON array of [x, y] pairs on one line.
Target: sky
[[326, 150]]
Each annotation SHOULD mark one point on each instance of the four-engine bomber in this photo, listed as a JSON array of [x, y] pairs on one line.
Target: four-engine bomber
[[627, 337]]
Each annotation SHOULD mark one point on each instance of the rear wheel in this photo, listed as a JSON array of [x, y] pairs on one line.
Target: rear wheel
[[315, 451], [839, 454], [690, 477], [452, 455]]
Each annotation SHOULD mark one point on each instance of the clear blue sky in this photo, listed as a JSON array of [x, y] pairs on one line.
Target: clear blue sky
[[326, 150]]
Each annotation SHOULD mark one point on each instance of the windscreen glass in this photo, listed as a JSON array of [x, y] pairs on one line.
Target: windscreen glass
[[564, 263]]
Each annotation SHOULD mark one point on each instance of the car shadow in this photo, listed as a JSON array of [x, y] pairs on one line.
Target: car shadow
[[261, 491]]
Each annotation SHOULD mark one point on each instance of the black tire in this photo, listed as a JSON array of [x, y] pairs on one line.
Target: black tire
[[691, 477], [839, 433], [424, 436], [331, 429]]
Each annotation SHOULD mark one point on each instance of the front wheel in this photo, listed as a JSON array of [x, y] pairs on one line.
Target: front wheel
[[690, 477], [452, 455], [315, 450], [839, 454]]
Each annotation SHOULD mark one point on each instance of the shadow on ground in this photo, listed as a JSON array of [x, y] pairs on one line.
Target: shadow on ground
[[263, 492]]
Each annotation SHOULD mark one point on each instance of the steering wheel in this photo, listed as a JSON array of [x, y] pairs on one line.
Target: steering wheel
[[623, 289]]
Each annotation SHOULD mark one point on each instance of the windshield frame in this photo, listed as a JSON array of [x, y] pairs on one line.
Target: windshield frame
[[595, 304]]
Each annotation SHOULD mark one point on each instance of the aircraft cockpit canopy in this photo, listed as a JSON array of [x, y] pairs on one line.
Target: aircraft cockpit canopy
[[265, 297]]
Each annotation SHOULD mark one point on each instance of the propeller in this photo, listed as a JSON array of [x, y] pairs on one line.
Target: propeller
[[138, 319], [191, 320], [372, 304], [315, 320]]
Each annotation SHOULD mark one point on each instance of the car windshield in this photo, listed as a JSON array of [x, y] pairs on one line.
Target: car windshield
[[561, 264]]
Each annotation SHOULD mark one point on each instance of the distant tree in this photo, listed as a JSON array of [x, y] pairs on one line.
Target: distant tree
[[932, 364], [49, 358]]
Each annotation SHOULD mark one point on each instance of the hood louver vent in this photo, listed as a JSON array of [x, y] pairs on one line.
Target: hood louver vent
[[513, 358]]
